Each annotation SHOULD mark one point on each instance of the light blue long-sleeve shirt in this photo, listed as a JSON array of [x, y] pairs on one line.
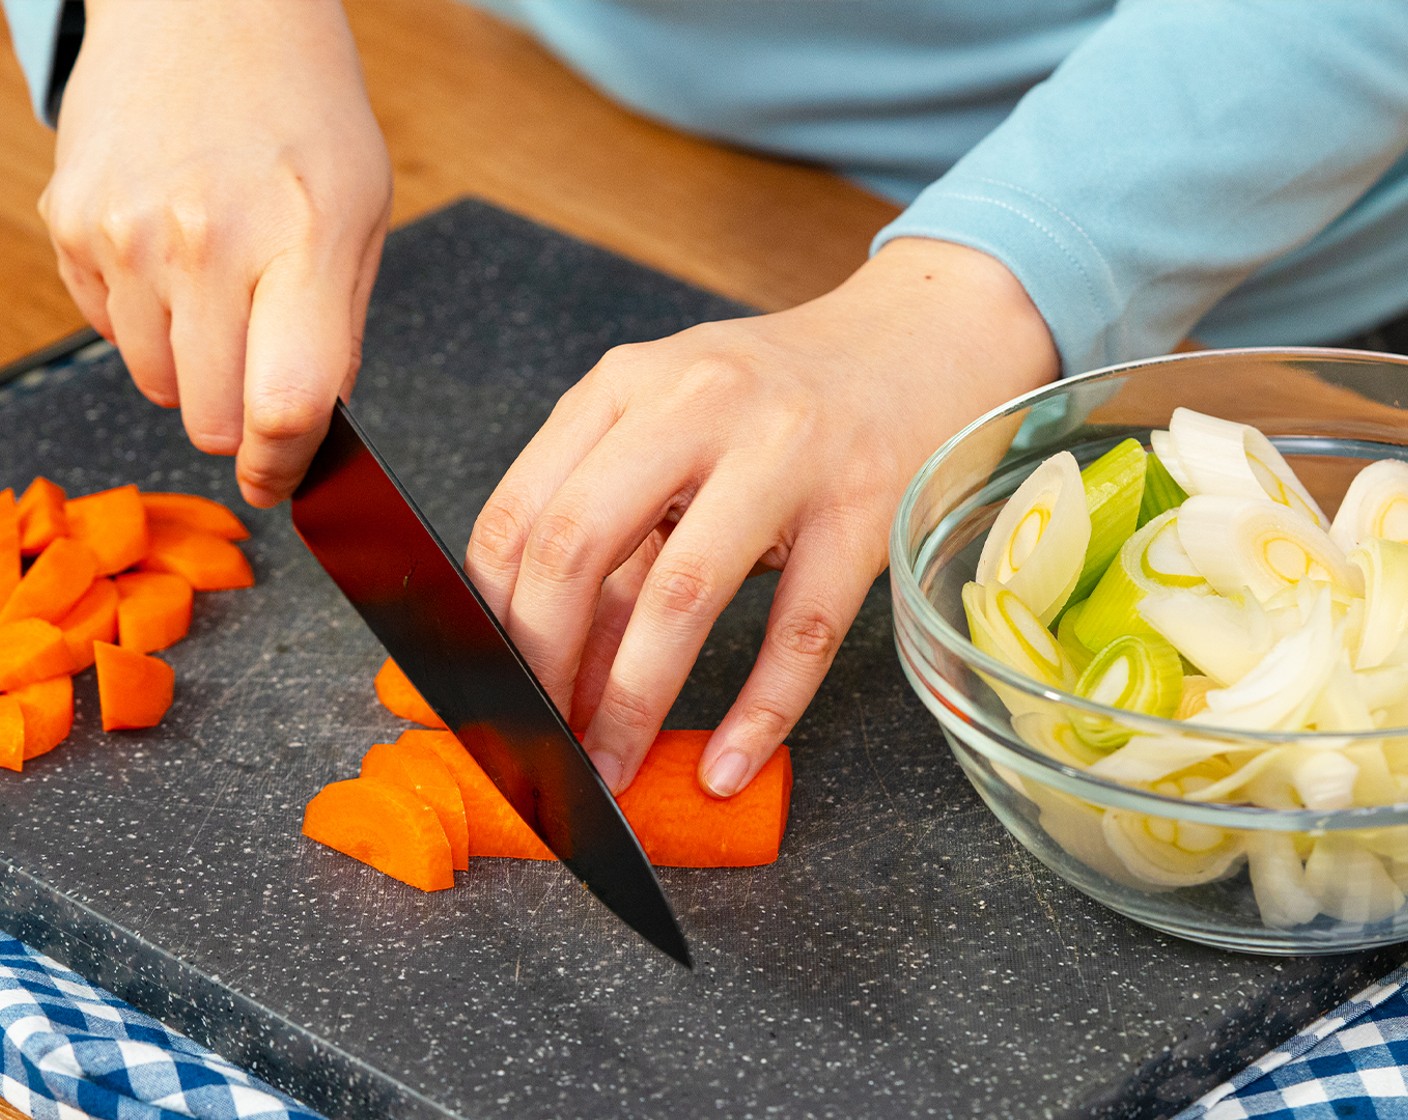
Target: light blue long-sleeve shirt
[[1148, 169]]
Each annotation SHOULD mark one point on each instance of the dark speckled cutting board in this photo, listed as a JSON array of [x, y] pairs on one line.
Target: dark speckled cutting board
[[903, 958]]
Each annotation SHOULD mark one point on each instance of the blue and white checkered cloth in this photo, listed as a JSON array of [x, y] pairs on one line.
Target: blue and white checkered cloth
[[71, 1051]]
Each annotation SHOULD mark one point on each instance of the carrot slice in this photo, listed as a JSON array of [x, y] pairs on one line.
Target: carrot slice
[[113, 524], [153, 610], [42, 517], [54, 582], [399, 696], [92, 619], [48, 714], [9, 544], [494, 828], [11, 734], [31, 650], [420, 770], [384, 825], [679, 825], [205, 561], [134, 690], [194, 512]]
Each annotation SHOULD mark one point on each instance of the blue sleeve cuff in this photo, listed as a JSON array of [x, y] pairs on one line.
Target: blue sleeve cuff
[[46, 35]]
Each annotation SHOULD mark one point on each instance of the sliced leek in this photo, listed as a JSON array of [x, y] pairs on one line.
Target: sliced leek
[[1375, 505], [1080, 654], [1224, 636], [1114, 485], [1384, 564], [1161, 491], [1037, 545], [1136, 673]]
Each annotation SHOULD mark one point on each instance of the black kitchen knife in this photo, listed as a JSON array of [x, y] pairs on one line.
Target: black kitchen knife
[[357, 519]]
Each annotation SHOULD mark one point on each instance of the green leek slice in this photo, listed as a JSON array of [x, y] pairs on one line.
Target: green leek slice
[[1114, 485], [1375, 505], [1161, 491], [1076, 650], [1136, 673]]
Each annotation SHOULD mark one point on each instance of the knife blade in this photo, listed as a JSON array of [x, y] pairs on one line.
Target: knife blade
[[371, 538]]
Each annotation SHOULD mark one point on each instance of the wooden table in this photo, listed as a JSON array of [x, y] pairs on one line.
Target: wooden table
[[470, 106]]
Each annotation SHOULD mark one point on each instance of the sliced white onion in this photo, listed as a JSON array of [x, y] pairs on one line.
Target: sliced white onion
[[1224, 637], [1350, 883], [1375, 505], [1384, 564], [1278, 881], [1324, 779]]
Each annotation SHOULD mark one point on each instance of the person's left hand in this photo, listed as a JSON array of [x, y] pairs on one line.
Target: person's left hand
[[675, 468]]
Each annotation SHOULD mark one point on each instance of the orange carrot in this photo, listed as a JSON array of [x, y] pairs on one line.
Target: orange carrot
[[92, 619], [134, 690], [54, 582], [153, 610], [399, 696], [205, 561], [31, 650], [384, 825], [48, 714], [494, 828], [11, 734], [194, 512], [9, 545], [679, 825], [113, 524], [42, 517], [420, 770]]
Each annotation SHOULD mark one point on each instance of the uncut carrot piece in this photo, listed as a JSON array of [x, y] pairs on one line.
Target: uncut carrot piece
[[399, 696], [420, 770], [495, 829], [9, 544], [134, 689], [42, 517], [92, 619], [153, 610], [11, 734], [58, 579], [679, 825], [31, 650], [384, 825], [194, 512], [113, 524], [48, 714], [205, 561]]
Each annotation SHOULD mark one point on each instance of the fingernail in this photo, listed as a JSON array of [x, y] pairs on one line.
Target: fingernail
[[725, 773], [610, 769]]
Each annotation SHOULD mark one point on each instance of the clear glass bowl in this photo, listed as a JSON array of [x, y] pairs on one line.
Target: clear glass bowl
[[1237, 876]]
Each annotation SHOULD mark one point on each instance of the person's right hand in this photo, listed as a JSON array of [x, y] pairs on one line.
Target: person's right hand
[[220, 197]]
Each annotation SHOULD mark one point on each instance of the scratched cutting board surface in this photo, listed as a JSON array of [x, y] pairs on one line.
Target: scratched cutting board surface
[[903, 957]]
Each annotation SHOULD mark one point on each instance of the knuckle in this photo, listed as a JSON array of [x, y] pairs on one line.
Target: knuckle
[[122, 230], [285, 411], [682, 587], [191, 231], [810, 635], [628, 709], [559, 544], [497, 539]]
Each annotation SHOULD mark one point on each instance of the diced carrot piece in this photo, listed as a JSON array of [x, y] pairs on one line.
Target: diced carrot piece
[[153, 610], [205, 561], [48, 714], [134, 690], [9, 545], [679, 825], [113, 523], [31, 650], [42, 517], [399, 696], [384, 825], [420, 770], [11, 734], [58, 579], [495, 829], [194, 512], [92, 619]]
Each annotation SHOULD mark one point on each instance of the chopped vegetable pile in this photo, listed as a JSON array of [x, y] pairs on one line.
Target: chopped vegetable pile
[[1200, 582], [422, 807], [105, 579]]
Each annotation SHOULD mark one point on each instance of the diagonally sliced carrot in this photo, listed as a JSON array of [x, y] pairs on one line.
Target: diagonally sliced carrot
[[384, 825], [9, 545], [54, 582], [42, 517], [194, 512], [494, 828], [205, 561], [11, 733], [153, 610], [134, 690], [31, 650], [113, 524], [420, 770], [48, 714], [92, 619], [399, 696]]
